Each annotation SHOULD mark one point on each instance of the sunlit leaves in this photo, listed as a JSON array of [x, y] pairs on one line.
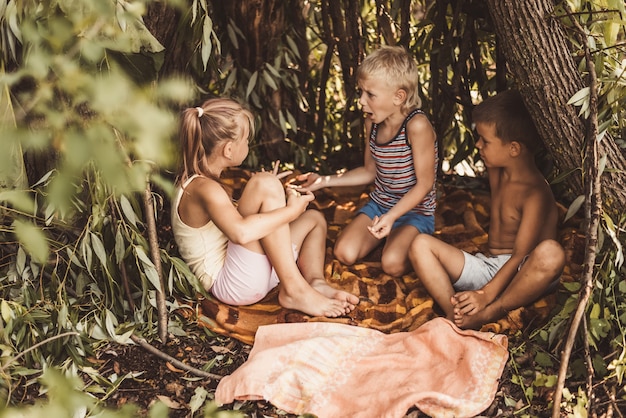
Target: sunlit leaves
[[581, 99], [574, 207], [33, 239]]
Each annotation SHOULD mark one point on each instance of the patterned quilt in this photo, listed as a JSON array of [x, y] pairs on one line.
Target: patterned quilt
[[390, 304]]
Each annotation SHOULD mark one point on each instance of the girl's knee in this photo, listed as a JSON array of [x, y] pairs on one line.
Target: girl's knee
[[316, 217], [266, 183]]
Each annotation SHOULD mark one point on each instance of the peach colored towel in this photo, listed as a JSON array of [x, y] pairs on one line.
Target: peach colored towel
[[335, 370]]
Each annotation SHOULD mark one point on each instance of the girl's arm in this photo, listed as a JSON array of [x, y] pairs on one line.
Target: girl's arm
[[219, 208]]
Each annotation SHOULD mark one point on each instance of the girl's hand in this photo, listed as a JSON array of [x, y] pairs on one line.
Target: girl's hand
[[380, 226], [310, 182], [299, 200], [276, 167]]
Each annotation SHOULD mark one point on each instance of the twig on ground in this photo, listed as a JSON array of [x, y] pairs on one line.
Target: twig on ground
[[179, 364]]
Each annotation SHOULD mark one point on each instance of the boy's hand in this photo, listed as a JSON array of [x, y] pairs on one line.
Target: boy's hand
[[470, 302], [310, 182], [380, 226]]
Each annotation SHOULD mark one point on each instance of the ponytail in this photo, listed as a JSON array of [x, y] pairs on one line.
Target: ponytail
[[203, 128]]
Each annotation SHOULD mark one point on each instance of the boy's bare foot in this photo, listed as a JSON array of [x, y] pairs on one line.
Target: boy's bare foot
[[477, 320], [310, 301], [327, 290]]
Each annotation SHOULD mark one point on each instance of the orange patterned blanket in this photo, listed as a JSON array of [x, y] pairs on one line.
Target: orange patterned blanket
[[388, 304]]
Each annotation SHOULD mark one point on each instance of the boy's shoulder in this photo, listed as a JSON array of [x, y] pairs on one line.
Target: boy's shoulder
[[419, 123]]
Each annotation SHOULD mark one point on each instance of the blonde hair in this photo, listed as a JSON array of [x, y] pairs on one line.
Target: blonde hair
[[397, 67], [203, 128]]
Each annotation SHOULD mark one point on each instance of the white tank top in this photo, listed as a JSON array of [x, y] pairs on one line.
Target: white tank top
[[204, 248]]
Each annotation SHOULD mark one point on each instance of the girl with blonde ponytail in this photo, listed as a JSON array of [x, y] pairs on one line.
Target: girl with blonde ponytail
[[241, 251]]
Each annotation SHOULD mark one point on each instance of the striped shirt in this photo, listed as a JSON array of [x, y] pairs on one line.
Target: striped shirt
[[395, 171]]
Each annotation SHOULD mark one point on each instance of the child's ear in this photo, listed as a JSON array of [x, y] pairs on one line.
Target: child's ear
[[227, 150], [515, 148], [400, 96]]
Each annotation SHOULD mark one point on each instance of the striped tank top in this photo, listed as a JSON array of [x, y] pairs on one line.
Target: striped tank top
[[395, 171]]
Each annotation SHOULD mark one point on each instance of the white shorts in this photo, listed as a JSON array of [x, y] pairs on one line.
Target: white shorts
[[246, 277], [478, 270]]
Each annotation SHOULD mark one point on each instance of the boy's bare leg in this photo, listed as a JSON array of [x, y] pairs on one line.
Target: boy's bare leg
[[543, 266], [355, 241], [435, 262], [308, 232], [263, 193], [395, 259]]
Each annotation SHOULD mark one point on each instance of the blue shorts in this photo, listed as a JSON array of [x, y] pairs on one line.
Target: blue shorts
[[424, 223]]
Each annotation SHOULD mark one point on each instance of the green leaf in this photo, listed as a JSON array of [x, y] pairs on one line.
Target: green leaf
[[207, 46], [19, 199], [120, 248], [232, 35], [292, 46], [32, 239], [580, 97], [282, 122], [6, 311], [98, 248], [543, 359], [269, 80], [574, 207], [128, 211], [198, 399], [252, 83], [152, 276]]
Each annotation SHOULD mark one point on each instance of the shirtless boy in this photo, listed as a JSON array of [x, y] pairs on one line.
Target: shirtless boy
[[524, 258]]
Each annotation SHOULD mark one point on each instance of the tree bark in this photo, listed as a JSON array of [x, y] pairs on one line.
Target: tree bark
[[535, 46]]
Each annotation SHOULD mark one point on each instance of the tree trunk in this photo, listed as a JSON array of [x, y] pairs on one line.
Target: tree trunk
[[538, 55], [163, 21]]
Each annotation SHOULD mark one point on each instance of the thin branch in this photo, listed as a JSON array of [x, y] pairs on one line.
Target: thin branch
[[613, 404], [153, 241], [126, 284], [589, 364], [179, 364], [593, 204]]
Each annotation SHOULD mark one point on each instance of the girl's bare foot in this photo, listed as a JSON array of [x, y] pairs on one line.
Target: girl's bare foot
[[310, 301], [327, 290]]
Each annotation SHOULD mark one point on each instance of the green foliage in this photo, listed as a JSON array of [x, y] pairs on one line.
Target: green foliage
[[67, 399], [73, 239], [82, 101]]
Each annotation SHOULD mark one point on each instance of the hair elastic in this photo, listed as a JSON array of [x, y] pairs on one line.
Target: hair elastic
[[200, 111]]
